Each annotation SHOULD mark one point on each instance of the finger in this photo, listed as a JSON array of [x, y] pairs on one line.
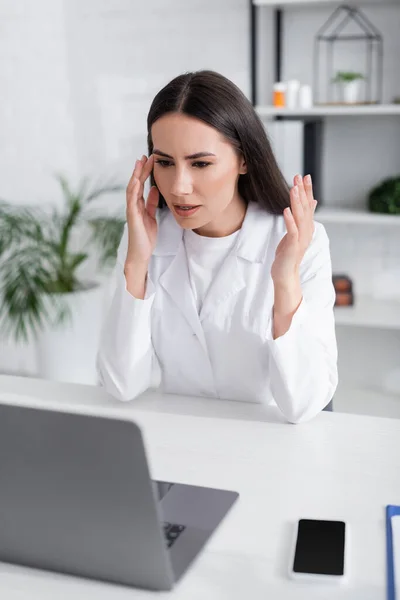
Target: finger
[[315, 202], [134, 176], [302, 193], [132, 193], [145, 170], [152, 201], [290, 223], [309, 191], [138, 169], [148, 165], [296, 206]]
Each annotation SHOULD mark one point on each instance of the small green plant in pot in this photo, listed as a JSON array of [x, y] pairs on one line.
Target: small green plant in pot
[[42, 252], [349, 82], [385, 197]]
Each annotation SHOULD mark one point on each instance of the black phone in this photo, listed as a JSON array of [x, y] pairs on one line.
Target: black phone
[[319, 550]]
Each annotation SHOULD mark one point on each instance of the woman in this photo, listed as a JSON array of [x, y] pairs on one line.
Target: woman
[[224, 285]]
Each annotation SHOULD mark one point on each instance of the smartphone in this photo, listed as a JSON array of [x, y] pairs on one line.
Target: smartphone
[[320, 551]]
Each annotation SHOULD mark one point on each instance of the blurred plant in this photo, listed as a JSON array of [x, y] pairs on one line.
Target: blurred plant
[[38, 265], [385, 197], [347, 77]]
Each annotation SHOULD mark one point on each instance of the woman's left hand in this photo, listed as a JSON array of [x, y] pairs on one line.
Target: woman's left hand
[[299, 220]]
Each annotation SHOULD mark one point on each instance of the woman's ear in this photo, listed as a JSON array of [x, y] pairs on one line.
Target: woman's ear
[[243, 167]]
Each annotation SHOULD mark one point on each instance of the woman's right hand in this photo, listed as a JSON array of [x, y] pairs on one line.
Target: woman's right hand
[[141, 215]]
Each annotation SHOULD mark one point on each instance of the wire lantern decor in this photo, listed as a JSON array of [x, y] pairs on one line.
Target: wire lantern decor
[[326, 41]]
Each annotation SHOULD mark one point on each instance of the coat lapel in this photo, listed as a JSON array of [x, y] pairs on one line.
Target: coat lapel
[[175, 280], [251, 247]]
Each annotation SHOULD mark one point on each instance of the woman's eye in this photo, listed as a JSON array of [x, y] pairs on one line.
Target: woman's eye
[[198, 164], [201, 164]]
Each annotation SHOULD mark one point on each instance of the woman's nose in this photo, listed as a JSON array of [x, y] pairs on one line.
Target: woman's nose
[[182, 183]]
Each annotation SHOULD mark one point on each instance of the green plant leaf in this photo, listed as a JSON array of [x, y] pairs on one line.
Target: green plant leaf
[[19, 224], [67, 224], [37, 264], [83, 187], [347, 76], [106, 235], [76, 259], [65, 187], [385, 197], [24, 284], [107, 188]]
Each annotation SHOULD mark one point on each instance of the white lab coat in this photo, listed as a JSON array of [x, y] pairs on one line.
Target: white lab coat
[[226, 351]]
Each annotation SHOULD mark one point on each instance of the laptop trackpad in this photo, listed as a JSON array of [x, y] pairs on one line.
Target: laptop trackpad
[[195, 506], [199, 510]]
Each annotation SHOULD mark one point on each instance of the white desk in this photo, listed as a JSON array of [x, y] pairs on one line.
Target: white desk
[[338, 466]]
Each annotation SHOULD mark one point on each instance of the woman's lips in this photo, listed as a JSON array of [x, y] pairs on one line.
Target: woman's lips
[[186, 211]]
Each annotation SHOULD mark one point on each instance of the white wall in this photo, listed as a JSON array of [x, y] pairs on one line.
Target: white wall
[[78, 77], [121, 53], [37, 128], [36, 124]]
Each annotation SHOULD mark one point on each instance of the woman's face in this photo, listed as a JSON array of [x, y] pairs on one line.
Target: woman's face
[[197, 170]]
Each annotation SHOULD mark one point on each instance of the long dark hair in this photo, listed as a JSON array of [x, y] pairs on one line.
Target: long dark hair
[[214, 99]]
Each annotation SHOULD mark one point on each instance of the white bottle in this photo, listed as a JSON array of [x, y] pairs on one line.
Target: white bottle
[[305, 97], [292, 92]]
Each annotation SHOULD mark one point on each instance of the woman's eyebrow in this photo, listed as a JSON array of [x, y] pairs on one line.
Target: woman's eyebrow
[[190, 157]]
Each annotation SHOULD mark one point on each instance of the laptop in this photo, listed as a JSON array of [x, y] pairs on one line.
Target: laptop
[[77, 498]]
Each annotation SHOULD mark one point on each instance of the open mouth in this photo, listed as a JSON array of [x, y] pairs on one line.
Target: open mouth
[[186, 209]]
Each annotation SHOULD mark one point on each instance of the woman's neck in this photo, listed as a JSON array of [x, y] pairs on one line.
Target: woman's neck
[[229, 221]]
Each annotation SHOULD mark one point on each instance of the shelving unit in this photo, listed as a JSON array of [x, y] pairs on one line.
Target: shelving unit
[[370, 312], [369, 317], [315, 116], [369, 110], [354, 217], [272, 3]]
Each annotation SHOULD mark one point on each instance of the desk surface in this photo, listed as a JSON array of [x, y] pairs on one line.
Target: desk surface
[[337, 466]]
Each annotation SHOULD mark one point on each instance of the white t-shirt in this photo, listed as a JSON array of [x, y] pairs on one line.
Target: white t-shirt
[[205, 256]]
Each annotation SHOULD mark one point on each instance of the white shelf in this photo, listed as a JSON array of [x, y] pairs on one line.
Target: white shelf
[[369, 312], [272, 3], [330, 111], [355, 217]]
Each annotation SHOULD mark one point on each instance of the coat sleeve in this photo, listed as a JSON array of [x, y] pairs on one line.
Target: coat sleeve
[[303, 362], [126, 360]]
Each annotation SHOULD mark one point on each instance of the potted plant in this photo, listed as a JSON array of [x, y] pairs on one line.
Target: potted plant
[[350, 85], [44, 295], [385, 197]]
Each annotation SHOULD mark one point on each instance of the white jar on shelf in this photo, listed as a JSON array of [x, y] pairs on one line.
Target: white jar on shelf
[[292, 93], [305, 97]]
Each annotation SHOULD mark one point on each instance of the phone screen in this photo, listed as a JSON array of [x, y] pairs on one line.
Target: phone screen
[[320, 547]]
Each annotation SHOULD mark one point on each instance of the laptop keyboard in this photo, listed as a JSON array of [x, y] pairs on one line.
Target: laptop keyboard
[[172, 532]]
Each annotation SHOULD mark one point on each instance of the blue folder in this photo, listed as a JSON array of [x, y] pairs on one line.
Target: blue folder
[[391, 511]]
